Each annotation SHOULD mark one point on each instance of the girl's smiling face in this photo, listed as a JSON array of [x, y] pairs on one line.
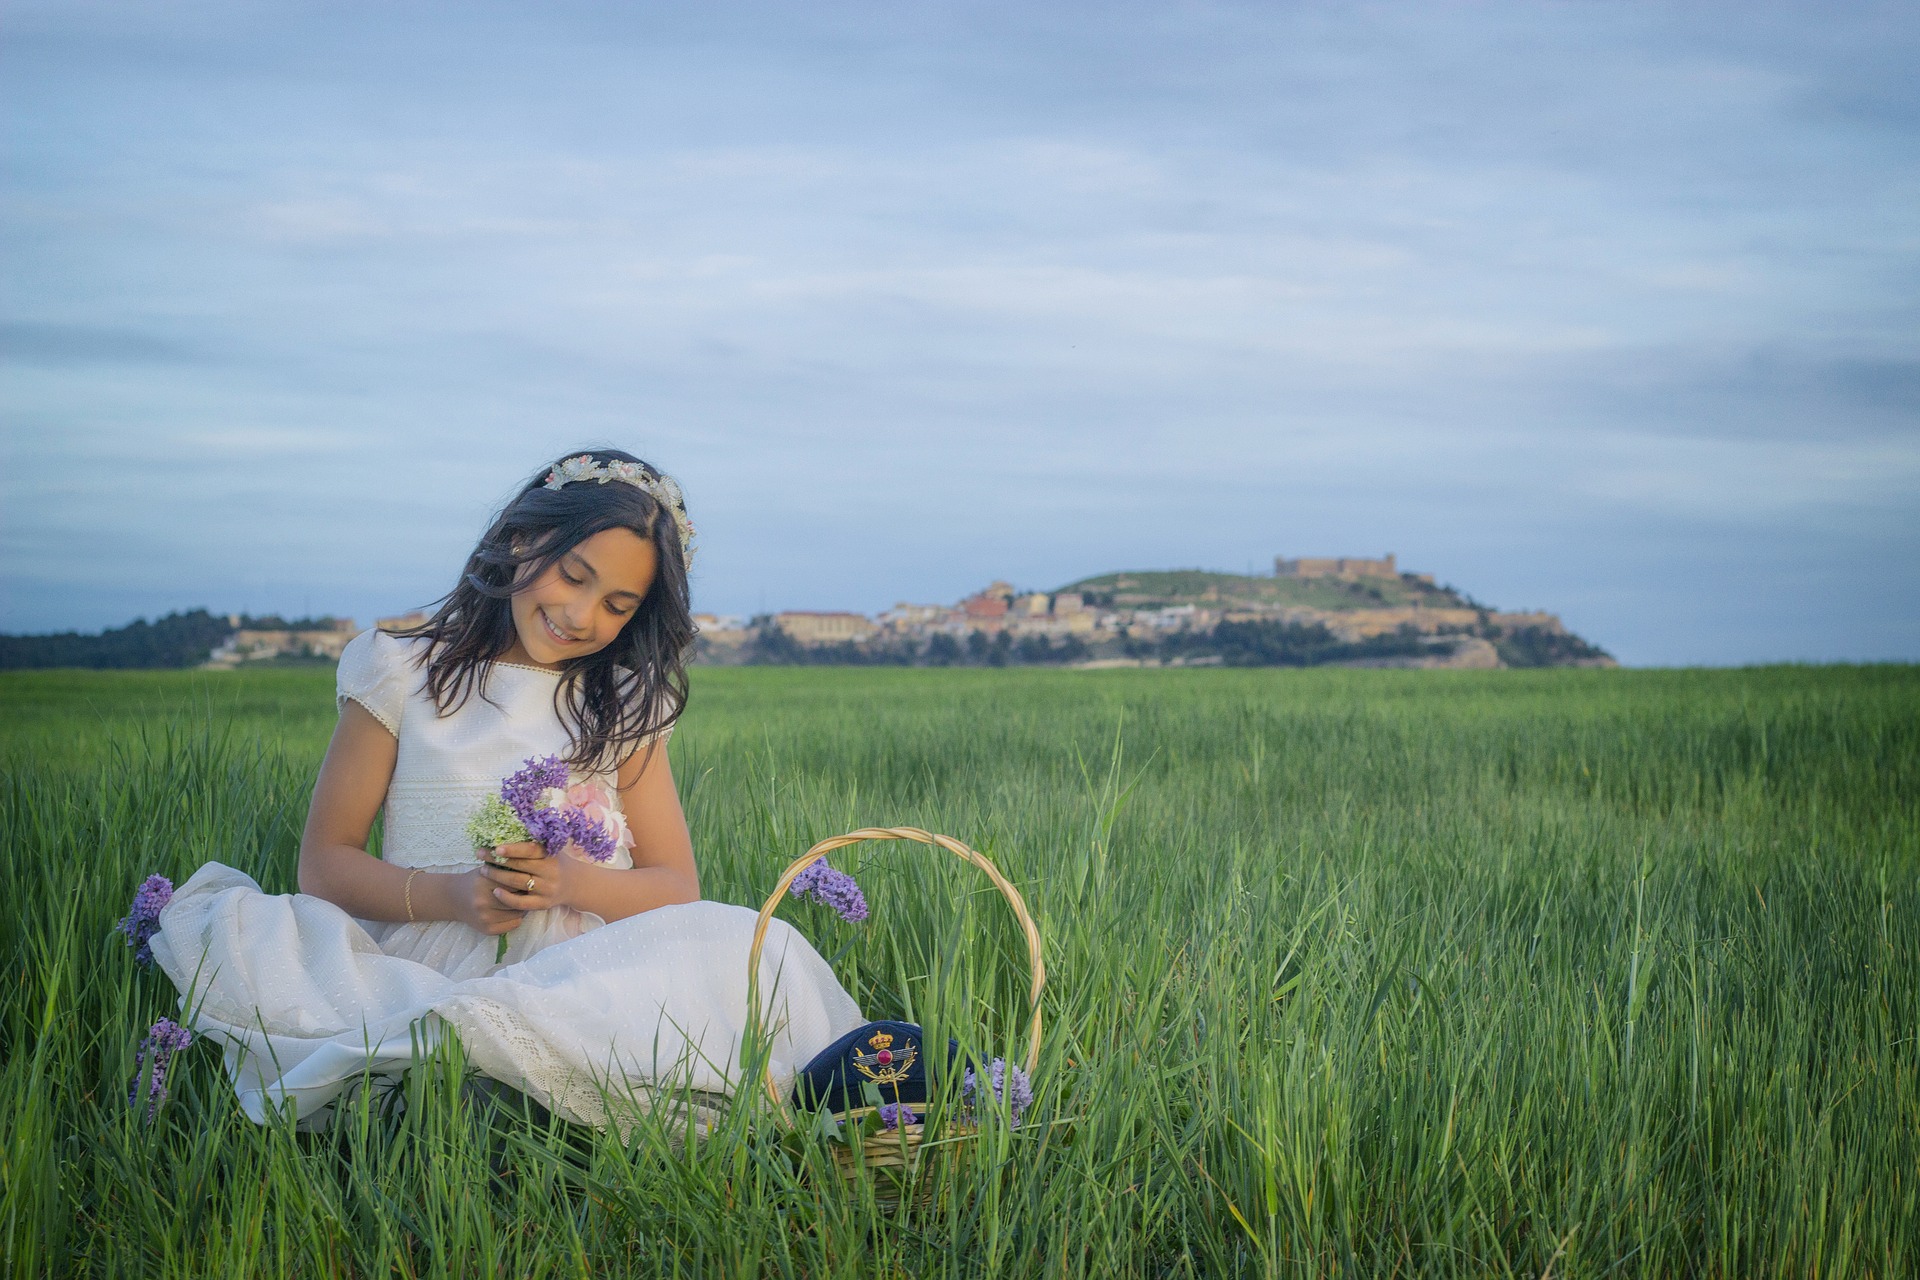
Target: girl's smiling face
[[581, 602]]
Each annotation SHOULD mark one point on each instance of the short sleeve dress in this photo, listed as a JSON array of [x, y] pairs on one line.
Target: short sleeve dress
[[580, 1014]]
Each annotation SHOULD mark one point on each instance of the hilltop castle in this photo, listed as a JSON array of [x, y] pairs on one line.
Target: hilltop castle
[[1349, 567]]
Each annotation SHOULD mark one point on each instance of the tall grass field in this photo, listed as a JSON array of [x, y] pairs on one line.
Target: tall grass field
[[1356, 973]]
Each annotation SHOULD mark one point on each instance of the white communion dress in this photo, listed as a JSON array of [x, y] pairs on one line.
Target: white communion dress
[[308, 1000]]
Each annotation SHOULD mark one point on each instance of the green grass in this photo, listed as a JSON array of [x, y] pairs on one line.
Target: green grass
[[1600, 973]]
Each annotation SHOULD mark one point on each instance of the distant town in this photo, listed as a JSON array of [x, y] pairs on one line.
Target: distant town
[[1349, 611], [1309, 612]]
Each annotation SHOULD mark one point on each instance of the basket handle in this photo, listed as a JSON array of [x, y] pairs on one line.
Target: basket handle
[[958, 850]]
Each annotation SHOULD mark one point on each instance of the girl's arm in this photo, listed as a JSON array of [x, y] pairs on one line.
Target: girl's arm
[[334, 862], [663, 872]]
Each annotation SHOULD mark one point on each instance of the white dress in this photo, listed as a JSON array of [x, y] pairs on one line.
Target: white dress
[[308, 1000]]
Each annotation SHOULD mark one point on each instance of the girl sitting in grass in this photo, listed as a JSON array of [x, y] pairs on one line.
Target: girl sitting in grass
[[567, 635]]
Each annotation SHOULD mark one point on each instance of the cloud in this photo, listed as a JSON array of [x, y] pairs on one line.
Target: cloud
[[915, 297], [1817, 391], [59, 345], [236, 442]]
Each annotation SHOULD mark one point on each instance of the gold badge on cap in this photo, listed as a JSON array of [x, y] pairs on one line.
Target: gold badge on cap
[[884, 1064]]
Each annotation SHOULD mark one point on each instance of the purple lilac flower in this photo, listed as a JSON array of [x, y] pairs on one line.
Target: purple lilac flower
[[143, 921], [1021, 1089], [522, 790], [834, 888], [895, 1114], [153, 1061], [558, 827]]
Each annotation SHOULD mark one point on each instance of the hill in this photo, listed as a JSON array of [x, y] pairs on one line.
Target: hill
[[1166, 588], [1357, 612]]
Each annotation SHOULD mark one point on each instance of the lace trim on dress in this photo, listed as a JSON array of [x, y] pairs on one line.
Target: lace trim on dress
[[427, 821], [373, 672], [502, 1044], [387, 722]]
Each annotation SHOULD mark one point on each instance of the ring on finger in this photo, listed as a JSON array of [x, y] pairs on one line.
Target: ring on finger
[[530, 884]]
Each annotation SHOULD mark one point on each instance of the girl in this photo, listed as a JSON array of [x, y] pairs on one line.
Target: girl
[[567, 635]]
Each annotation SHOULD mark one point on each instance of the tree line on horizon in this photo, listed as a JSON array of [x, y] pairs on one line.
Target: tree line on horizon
[[184, 639], [1257, 643], [180, 639]]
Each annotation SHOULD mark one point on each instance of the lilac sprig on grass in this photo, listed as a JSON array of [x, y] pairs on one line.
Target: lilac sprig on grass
[[894, 1115], [835, 889], [1010, 1085], [153, 1062], [143, 920]]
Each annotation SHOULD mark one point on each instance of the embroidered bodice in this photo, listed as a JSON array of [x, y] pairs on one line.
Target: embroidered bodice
[[447, 765]]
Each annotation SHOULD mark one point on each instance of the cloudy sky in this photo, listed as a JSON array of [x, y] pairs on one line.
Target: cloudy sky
[[1608, 309]]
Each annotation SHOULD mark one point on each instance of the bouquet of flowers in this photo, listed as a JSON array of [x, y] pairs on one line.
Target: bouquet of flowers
[[541, 803]]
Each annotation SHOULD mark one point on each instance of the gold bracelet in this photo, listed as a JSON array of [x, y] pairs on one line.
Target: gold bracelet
[[409, 894]]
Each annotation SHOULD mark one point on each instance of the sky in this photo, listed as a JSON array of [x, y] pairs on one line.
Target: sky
[[1606, 309]]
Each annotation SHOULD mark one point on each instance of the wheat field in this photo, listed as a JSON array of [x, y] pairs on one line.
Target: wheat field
[[1357, 973]]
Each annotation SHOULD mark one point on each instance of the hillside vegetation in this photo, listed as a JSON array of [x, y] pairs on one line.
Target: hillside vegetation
[[1173, 587]]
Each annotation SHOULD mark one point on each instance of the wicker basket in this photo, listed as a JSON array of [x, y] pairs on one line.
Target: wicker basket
[[897, 1160]]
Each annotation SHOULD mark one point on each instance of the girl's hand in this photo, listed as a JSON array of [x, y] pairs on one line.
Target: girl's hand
[[471, 897], [524, 878]]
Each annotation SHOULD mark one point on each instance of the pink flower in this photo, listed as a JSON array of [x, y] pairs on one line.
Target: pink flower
[[597, 804]]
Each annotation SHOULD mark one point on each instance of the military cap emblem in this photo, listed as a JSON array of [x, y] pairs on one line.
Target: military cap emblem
[[882, 1063]]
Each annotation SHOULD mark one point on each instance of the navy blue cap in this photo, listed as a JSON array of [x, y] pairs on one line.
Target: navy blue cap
[[887, 1055]]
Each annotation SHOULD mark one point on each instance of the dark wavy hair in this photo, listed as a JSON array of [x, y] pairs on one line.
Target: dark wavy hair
[[615, 698]]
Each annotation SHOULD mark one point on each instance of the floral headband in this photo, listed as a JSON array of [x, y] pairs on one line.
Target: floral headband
[[655, 484]]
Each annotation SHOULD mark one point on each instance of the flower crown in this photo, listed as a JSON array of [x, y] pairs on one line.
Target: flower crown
[[655, 484]]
